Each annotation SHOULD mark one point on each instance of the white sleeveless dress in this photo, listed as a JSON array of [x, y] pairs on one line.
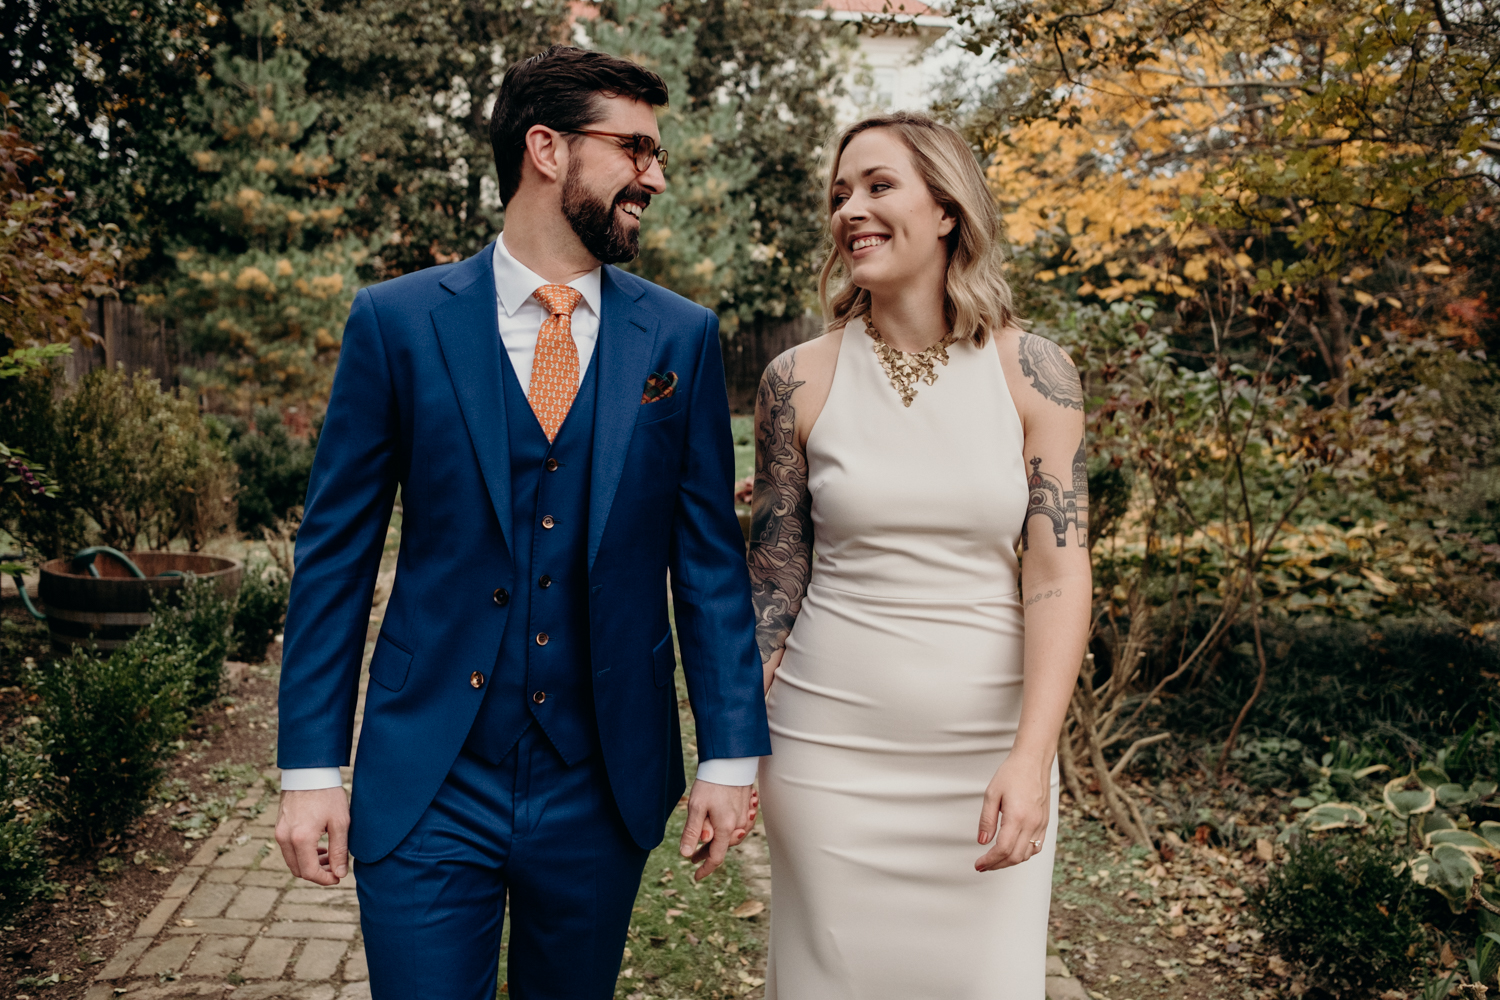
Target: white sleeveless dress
[[899, 695]]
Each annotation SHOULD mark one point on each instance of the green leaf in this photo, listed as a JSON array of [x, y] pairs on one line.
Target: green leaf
[[1431, 775], [1406, 802], [1461, 839], [1302, 802], [1483, 789], [1490, 830], [1334, 816], [1447, 871], [1450, 795], [1435, 821]]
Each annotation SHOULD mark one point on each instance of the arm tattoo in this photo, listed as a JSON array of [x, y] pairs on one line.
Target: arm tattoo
[[1051, 498], [1046, 365], [781, 511], [1042, 596]]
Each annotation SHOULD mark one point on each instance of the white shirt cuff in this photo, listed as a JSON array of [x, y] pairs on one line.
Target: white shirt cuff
[[739, 771], [306, 779]]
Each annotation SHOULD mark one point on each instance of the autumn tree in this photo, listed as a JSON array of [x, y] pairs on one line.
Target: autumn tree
[[1302, 151]]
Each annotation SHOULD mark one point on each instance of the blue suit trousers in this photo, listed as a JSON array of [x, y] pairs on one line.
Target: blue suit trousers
[[545, 835]]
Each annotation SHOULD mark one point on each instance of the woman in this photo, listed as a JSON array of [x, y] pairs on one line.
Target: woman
[[912, 787]]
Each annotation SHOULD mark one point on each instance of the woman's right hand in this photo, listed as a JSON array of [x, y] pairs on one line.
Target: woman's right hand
[[769, 668]]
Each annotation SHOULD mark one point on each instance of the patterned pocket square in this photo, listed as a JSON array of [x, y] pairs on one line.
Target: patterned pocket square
[[659, 387]]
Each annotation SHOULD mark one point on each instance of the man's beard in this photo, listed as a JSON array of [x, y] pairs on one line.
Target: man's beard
[[602, 233]]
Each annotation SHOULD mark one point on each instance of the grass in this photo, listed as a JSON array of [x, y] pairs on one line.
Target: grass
[[742, 427]]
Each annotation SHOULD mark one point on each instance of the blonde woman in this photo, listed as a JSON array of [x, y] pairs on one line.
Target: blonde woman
[[915, 684]]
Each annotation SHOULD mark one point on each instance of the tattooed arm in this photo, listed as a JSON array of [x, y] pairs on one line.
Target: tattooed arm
[[1056, 588], [781, 512]]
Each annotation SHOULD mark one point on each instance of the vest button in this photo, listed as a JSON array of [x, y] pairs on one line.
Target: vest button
[[539, 697], [476, 680], [544, 582], [551, 465], [541, 638], [501, 597], [547, 521]]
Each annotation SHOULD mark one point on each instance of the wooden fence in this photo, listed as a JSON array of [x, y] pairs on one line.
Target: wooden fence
[[130, 338]]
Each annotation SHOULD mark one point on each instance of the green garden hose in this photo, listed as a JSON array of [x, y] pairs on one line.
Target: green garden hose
[[87, 556], [26, 598]]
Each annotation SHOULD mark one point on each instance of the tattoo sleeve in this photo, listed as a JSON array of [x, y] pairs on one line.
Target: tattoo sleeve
[[1050, 497], [1047, 366], [781, 511]]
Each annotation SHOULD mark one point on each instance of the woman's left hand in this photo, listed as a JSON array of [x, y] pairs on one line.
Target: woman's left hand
[[1014, 816]]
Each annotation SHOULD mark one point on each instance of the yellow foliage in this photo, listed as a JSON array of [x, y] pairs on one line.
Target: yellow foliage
[[253, 278], [325, 285], [283, 268], [265, 165]]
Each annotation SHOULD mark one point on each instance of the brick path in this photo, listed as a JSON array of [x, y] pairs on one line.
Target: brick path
[[236, 915]]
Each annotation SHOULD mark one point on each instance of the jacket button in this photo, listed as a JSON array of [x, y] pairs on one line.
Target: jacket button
[[551, 465], [501, 597], [544, 582], [539, 697], [541, 638], [547, 521], [476, 680]]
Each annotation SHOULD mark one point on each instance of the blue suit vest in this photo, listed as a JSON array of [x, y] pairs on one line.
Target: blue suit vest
[[542, 670]]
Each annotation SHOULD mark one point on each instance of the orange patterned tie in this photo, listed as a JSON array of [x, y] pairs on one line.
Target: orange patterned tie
[[554, 369]]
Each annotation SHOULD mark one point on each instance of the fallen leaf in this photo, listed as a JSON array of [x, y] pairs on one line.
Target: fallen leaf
[[185, 922], [1264, 849], [1446, 957], [674, 913], [1178, 930], [1278, 966], [669, 893], [749, 908]]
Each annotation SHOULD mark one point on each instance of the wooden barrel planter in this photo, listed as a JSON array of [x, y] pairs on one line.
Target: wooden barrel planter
[[108, 609]]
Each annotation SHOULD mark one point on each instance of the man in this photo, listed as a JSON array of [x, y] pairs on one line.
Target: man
[[559, 432]]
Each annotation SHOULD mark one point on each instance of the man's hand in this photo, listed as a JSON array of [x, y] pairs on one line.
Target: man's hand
[[304, 818], [719, 816]]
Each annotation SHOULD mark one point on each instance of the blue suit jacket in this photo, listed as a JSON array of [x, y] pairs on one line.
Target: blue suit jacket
[[417, 404]]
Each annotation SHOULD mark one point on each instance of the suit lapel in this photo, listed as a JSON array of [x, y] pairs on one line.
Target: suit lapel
[[468, 331], [627, 338]]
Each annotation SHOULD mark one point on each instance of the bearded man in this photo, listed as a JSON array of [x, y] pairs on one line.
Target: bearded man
[[559, 434]]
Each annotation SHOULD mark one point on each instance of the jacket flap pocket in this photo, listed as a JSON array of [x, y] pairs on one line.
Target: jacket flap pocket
[[390, 664], [663, 662]]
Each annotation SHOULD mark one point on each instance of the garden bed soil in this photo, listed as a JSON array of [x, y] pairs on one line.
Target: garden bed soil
[[96, 897]]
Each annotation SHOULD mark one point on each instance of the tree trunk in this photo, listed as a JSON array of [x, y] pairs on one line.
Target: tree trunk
[[1338, 339]]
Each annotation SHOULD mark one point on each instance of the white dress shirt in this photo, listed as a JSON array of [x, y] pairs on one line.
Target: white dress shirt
[[521, 316]]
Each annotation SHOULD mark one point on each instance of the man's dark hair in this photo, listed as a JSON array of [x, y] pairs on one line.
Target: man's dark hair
[[560, 89]]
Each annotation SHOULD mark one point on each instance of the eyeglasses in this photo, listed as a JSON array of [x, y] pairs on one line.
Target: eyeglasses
[[642, 148]]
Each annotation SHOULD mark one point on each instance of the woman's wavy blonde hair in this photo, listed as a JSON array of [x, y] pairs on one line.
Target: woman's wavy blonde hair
[[977, 299]]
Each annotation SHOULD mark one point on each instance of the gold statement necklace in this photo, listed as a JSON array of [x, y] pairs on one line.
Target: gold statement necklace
[[903, 369]]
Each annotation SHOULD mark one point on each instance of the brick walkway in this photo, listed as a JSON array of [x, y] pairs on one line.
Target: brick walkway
[[235, 915]]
